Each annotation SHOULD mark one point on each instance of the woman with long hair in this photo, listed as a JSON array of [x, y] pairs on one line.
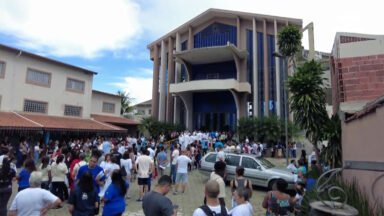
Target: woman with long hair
[[45, 170], [240, 182], [114, 196], [126, 163], [84, 199], [6, 176], [59, 170], [23, 176]]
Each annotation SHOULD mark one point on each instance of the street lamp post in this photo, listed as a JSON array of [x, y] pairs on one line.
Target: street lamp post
[[280, 56]]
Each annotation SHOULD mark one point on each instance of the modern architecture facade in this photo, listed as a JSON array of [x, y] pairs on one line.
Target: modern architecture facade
[[217, 68], [357, 71], [42, 94]]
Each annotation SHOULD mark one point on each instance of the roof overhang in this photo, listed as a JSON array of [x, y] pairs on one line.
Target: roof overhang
[[210, 85], [207, 55]]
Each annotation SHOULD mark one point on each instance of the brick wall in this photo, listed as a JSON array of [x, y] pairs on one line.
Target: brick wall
[[357, 78]]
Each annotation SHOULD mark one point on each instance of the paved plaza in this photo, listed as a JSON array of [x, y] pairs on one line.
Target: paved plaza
[[187, 202]]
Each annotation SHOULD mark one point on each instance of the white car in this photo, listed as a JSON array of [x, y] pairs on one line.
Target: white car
[[258, 170]]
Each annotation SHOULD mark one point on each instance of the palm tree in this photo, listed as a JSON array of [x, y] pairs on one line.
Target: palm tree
[[307, 101], [289, 42], [126, 102]]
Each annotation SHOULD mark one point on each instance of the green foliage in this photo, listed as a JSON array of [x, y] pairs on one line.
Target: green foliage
[[289, 40], [126, 102], [356, 198], [154, 128], [308, 99], [332, 154], [266, 129]]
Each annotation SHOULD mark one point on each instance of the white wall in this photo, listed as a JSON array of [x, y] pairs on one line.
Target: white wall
[[14, 88], [97, 104]]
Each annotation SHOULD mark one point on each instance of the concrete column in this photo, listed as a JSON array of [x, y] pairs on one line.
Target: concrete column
[[255, 82], [171, 78], [187, 99], [190, 38], [176, 109], [266, 77], [238, 28], [155, 84], [163, 70], [277, 69]]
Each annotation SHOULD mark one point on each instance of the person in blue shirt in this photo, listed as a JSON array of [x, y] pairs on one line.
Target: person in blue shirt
[[114, 196], [106, 147], [84, 199], [204, 143], [97, 172], [23, 176]]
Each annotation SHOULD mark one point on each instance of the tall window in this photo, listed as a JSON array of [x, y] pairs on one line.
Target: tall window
[[2, 69], [72, 110], [108, 107], [35, 106], [75, 85], [38, 78]]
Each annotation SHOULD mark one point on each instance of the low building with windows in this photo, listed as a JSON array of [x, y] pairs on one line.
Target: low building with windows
[[142, 110], [217, 68], [42, 94]]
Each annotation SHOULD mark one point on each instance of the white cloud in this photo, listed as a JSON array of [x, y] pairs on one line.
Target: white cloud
[[138, 88], [71, 28]]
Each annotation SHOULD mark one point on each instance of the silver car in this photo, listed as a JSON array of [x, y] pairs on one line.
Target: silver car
[[259, 170]]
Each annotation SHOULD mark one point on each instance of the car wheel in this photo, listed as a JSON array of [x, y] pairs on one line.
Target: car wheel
[[271, 183]]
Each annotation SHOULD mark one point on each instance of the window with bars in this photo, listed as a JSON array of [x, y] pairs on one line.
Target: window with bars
[[2, 69], [75, 85], [72, 110], [35, 106], [38, 77], [108, 107]]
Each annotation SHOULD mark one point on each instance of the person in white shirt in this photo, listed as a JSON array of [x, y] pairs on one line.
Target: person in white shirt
[[33, 201], [212, 206], [59, 171], [144, 167], [218, 176], [151, 152], [182, 170], [243, 208], [174, 156], [292, 166], [126, 163], [220, 154]]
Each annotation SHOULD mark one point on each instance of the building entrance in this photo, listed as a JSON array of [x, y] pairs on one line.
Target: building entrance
[[214, 111]]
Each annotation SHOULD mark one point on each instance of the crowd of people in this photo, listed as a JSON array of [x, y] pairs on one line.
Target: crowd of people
[[96, 173]]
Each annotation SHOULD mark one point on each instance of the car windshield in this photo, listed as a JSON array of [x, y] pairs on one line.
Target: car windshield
[[265, 163]]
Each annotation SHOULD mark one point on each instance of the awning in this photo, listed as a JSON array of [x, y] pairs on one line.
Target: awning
[[114, 120], [13, 120]]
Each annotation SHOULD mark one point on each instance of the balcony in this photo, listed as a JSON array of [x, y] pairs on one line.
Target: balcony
[[210, 55], [210, 85]]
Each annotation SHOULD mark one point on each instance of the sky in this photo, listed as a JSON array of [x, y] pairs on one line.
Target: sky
[[110, 37]]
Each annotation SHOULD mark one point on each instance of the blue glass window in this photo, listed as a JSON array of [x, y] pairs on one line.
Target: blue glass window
[[216, 34]]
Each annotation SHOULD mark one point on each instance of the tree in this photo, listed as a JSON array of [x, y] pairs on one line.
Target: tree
[[307, 101], [332, 154], [126, 102], [289, 42]]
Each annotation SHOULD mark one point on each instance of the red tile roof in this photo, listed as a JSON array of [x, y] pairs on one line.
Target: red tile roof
[[9, 120], [114, 119], [33, 121]]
